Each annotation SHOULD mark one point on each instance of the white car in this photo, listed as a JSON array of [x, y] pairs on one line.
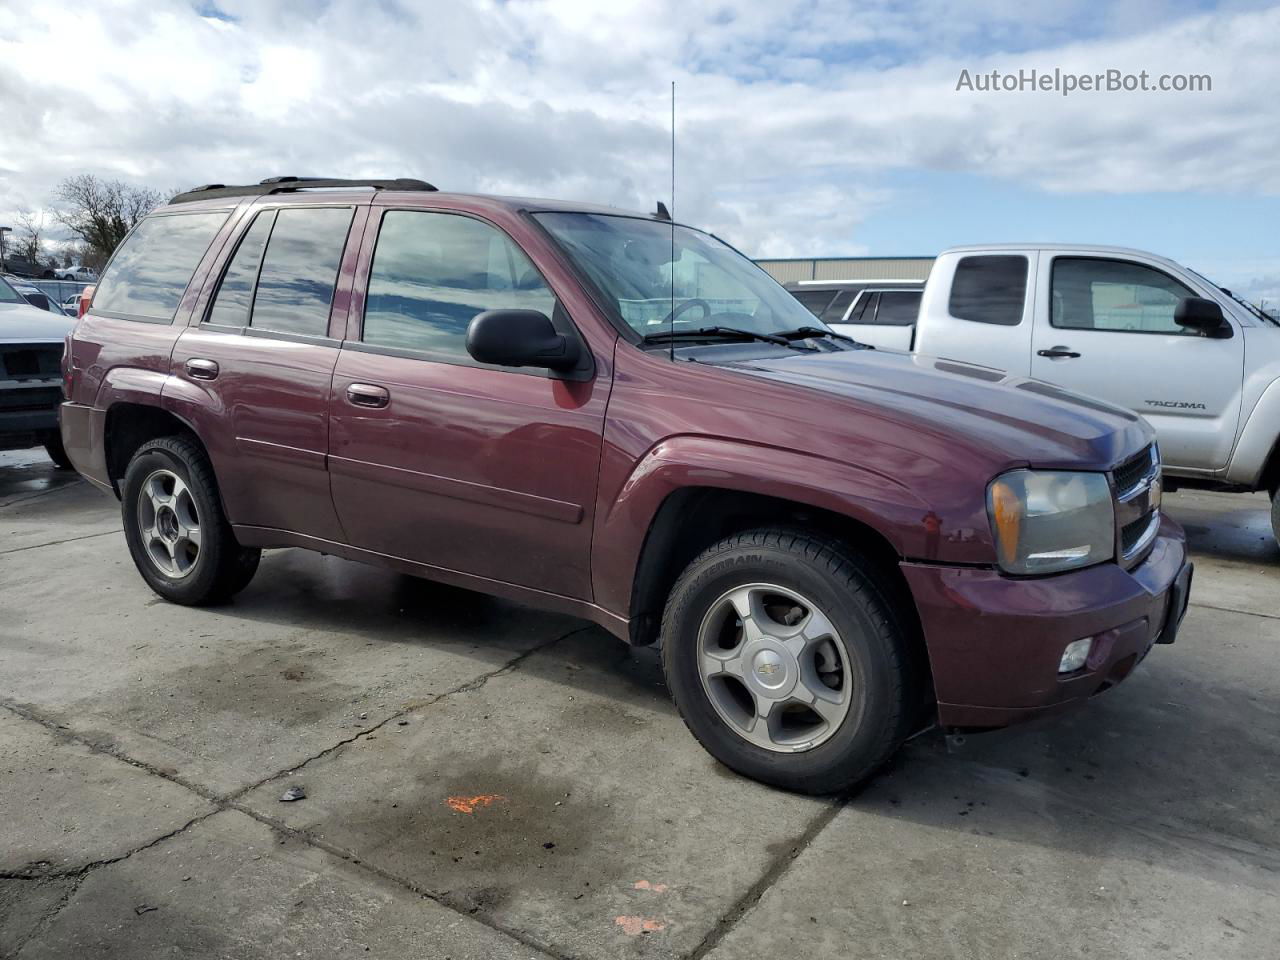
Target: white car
[[76, 272], [1133, 328]]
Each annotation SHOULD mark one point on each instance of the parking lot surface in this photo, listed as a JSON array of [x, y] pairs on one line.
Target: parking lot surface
[[483, 780]]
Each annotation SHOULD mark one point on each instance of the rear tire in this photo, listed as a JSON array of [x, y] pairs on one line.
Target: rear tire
[[823, 691], [179, 538], [57, 452]]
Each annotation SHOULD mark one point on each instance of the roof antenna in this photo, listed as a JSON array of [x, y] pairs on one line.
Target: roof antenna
[[662, 209]]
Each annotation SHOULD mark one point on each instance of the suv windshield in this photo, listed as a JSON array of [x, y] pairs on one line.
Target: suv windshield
[[629, 260]]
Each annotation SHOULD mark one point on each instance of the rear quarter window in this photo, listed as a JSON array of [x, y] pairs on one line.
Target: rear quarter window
[[989, 289], [151, 270]]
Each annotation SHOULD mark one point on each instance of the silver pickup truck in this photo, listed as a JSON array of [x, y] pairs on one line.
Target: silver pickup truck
[[1122, 325]]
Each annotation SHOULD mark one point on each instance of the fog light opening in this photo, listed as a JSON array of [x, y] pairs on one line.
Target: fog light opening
[[1075, 655]]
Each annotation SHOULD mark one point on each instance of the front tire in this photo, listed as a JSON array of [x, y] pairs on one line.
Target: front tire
[[179, 538], [787, 661]]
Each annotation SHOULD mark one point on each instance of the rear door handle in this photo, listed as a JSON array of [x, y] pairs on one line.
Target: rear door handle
[[367, 395], [1058, 353], [201, 369]]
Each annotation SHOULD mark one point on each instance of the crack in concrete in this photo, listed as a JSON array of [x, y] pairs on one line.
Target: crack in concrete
[[1243, 613], [229, 802], [772, 875], [69, 485], [54, 543]]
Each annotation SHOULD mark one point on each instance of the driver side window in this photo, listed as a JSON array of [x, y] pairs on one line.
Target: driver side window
[[1114, 295]]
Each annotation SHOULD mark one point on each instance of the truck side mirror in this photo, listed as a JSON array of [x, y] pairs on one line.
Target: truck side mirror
[[520, 338], [1203, 316]]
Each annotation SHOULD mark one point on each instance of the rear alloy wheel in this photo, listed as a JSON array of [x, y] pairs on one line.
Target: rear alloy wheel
[[787, 660], [180, 541]]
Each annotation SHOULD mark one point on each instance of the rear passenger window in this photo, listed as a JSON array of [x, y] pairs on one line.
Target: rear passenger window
[[989, 289], [815, 300], [898, 308], [433, 272], [150, 272], [235, 295], [864, 311], [299, 270], [835, 310]]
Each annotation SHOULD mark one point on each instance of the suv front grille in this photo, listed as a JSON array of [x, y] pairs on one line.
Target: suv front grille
[[30, 362], [1137, 504], [1131, 474]]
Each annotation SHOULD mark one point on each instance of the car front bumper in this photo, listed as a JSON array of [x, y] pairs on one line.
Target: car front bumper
[[28, 412], [995, 642]]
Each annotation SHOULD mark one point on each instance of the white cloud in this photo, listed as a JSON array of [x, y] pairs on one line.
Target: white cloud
[[790, 113]]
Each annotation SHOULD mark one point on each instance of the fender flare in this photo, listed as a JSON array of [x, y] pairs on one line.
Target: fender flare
[[1257, 442], [874, 499]]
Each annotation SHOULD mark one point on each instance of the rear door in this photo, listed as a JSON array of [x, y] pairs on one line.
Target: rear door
[[883, 318], [1106, 328], [437, 459], [255, 369]]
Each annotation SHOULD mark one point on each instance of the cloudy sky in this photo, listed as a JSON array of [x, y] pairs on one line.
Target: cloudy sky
[[803, 128]]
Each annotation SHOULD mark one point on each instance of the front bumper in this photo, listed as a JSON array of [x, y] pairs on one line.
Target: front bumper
[[28, 412], [995, 642]]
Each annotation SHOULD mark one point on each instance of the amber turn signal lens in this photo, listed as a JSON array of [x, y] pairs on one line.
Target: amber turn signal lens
[[1006, 508]]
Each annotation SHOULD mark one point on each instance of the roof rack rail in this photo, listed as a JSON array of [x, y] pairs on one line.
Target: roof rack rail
[[215, 191]]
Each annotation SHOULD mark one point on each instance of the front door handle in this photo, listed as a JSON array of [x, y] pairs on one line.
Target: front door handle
[[367, 395], [200, 369], [1058, 353]]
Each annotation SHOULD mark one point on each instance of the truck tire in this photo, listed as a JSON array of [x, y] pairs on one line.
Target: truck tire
[[1275, 513], [57, 452], [787, 661], [178, 536]]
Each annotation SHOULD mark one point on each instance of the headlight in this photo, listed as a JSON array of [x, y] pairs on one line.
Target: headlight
[[1045, 521]]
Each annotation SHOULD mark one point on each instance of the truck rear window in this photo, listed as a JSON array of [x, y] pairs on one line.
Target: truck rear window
[[989, 289], [150, 272]]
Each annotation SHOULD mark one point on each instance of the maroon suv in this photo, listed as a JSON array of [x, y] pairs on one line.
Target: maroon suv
[[608, 415]]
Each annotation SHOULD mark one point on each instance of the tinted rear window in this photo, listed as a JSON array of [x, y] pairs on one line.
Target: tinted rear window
[[989, 289], [295, 286], [835, 311], [150, 272], [815, 300], [898, 308]]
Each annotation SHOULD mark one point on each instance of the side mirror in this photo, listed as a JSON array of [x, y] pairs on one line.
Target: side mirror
[[1203, 316], [520, 338]]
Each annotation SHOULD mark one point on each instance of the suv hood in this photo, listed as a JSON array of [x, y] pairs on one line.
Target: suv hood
[[23, 322], [1019, 419]]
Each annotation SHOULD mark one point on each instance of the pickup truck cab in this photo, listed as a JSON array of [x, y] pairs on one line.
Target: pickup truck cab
[[1128, 327], [621, 418]]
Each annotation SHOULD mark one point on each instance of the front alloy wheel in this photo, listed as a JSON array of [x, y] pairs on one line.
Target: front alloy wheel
[[774, 667]]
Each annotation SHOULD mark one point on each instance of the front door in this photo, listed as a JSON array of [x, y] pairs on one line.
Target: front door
[[440, 460], [1106, 328], [258, 367]]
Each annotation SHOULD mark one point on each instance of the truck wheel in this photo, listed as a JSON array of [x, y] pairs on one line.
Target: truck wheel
[[57, 452], [787, 662], [180, 541]]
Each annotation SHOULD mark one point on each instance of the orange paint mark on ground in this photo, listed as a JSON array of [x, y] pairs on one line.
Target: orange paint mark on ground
[[634, 926], [469, 804], [655, 887]]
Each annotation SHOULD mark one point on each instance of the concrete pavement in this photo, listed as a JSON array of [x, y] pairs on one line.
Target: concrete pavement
[[484, 780]]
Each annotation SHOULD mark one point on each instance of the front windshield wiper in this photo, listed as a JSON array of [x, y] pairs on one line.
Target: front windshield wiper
[[805, 332], [708, 333], [1256, 311]]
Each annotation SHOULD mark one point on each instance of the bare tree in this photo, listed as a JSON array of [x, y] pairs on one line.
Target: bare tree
[[27, 242], [100, 212]]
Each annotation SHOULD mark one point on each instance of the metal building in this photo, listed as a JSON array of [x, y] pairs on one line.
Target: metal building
[[848, 268]]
